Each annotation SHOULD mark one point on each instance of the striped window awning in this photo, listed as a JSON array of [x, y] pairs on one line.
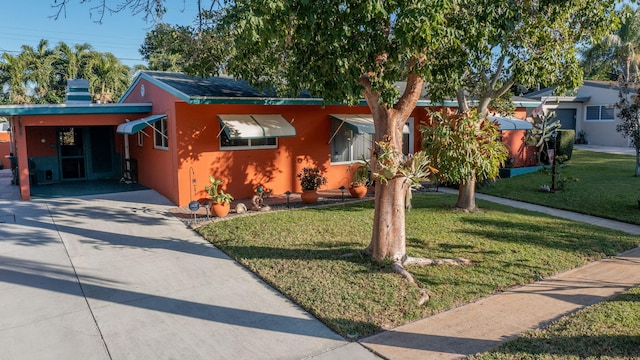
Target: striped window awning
[[241, 126], [361, 123], [133, 127]]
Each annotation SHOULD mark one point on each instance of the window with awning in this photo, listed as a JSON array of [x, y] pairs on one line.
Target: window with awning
[[132, 127], [361, 123], [256, 126], [511, 123], [352, 137]]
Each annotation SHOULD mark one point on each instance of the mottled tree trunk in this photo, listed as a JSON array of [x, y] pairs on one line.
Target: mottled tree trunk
[[467, 195], [388, 240]]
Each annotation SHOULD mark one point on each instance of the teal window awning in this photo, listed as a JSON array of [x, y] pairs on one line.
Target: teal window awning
[[134, 126], [242, 126], [361, 123], [511, 123]]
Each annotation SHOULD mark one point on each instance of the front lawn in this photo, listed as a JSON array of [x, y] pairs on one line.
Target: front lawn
[[300, 253], [606, 186], [603, 331]]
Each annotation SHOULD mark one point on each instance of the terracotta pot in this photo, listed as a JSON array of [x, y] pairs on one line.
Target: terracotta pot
[[309, 196], [220, 209], [358, 191]]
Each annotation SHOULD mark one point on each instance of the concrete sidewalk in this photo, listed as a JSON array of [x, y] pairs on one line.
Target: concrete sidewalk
[[117, 277], [485, 324]]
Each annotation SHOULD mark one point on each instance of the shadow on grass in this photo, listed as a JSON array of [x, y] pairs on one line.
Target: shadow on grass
[[592, 244]]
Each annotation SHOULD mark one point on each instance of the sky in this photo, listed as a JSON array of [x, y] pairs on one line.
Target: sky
[[26, 22]]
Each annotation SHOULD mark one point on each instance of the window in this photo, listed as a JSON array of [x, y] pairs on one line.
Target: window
[[600, 112], [140, 138], [349, 146], [244, 144], [346, 145], [161, 134]]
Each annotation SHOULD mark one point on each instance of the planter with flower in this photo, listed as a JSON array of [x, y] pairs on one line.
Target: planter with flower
[[220, 201], [310, 180], [360, 179]]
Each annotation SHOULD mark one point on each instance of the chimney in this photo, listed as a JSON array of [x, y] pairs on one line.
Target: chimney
[[78, 92]]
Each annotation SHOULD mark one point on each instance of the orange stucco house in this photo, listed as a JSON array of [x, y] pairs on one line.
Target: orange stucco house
[[177, 130]]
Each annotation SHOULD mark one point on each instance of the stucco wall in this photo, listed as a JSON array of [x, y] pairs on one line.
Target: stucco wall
[[600, 132]]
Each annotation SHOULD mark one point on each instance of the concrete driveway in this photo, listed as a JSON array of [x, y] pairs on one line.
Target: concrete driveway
[[116, 277]]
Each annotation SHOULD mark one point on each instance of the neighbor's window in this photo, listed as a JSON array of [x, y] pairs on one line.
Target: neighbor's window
[[347, 146], [600, 112], [160, 134], [245, 144]]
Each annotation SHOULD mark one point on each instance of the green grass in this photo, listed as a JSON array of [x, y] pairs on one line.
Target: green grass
[[301, 253], [604, 331], [606, 187]]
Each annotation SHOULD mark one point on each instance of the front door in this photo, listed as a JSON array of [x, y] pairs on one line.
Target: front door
[[567, 118], [72, 153], [87, 153]]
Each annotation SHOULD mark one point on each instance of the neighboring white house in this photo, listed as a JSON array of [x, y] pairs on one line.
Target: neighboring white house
[[591, 109]]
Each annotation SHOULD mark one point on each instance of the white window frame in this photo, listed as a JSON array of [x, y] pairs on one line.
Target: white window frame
[[249, 145], [600, 111], [161, 133], [140, 138]]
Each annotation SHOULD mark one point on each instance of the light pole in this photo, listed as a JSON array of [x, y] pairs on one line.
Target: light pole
[[552, 158]]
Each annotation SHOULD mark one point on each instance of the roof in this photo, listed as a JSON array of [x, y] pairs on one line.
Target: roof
[[74, 109], [550, 91], [226, 90]]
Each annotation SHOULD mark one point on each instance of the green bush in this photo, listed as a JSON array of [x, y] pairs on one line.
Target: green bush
[[566, 138]]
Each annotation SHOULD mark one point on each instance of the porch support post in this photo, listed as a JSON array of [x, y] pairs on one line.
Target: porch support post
[[23, 158]]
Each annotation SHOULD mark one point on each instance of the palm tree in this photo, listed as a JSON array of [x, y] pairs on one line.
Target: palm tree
[[72, 62], [13, 79], [40, 69], [620, 50], [108, 77]]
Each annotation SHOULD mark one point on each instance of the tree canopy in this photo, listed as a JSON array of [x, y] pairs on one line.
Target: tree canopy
[[616, 53], [39, 75]]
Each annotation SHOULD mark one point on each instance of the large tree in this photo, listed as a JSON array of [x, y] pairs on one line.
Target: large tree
[[527, 43], [194, 50], [346, 51]]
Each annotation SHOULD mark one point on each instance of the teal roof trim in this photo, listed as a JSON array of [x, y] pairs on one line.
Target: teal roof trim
[[74, 109], [293, 101]]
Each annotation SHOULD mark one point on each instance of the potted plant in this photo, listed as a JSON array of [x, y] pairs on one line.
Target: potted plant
[[310, 180], [582, 137], [220, 201], [360, 179]]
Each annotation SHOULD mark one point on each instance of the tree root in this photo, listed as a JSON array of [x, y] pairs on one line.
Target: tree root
[[399, 267]]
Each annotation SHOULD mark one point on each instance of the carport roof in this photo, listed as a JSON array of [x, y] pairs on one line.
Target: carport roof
[[74, 109]]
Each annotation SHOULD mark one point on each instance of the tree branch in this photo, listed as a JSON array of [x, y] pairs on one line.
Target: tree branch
[[496, 75]]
